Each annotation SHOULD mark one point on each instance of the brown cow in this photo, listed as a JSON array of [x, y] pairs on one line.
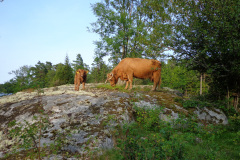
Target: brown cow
[[80, 78], [138, 68]]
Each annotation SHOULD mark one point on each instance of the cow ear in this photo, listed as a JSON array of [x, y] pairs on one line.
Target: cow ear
[[86, 71]]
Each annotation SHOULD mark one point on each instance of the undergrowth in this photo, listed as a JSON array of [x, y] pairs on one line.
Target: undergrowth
[[151, 138], [206, 101]]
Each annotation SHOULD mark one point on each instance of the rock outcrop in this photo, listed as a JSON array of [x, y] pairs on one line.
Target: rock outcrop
[[90, 116]]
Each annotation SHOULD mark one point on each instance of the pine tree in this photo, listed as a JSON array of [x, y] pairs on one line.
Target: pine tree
[[78, 63], [68, 72], [64, 73]]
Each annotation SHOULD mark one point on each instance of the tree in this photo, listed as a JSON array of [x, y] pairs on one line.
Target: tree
[[64, 73], [39, 72], [208, 37], [128, 29], [114, 25], [154, 28], [22, 78], [78, 63], [8, 87], [99, 70], [175, 75], [68, 72]]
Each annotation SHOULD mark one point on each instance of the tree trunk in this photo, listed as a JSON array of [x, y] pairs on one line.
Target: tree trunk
[[201, 79], [123, 51], [235, 101], [228, 98], [237, 104]]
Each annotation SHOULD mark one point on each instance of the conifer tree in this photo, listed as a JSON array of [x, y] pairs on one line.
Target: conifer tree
[[78, 63]]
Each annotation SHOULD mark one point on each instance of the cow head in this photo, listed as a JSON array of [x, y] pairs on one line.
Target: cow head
[[111, 78], [81, 73]]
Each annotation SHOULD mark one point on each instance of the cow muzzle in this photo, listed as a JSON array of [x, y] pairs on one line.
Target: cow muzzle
[[113, 85]]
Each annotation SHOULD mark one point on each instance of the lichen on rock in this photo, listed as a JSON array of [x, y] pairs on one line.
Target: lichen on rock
[[86, 118]]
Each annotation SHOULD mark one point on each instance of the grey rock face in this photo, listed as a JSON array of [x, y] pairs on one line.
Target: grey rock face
[[82, 113], [89, 116], [212, 115]]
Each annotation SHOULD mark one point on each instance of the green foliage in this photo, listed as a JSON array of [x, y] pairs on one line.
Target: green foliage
[[176, 76], [236, 139], [64, 74], [207, 37], [193, 103], [78, 63], [208, 101], [8, 87], [40, 76], [151, 138], [28, 135], [99, 71], [39, 72], [148, 117], [131, 28], [234, 121], [22, 79]]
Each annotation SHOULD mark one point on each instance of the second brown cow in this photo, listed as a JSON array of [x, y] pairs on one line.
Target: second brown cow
[[80, 78]]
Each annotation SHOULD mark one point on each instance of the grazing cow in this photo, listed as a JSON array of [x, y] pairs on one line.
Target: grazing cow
[[138, 68], [80, 78]]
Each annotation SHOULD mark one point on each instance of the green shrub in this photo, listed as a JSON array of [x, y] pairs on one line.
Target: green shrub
[[234, 122], [28, 135], [149, 137]]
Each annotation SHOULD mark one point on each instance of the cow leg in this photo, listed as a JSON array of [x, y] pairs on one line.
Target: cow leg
[[77, 87], [156, 80], [130, 79], [83, 85], [154, 87], [126, 84]]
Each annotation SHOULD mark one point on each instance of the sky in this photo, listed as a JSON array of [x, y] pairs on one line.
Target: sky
[[44, 30]]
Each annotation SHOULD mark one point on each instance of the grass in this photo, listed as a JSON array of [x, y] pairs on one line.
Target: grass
[[121, 88], [151, 138]]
